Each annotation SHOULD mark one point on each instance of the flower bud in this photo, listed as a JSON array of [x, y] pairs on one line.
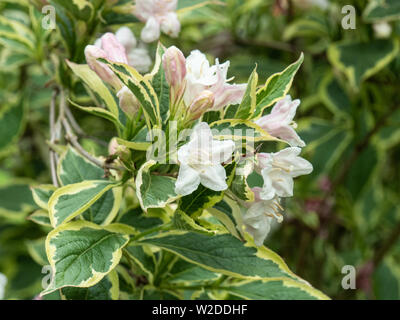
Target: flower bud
[[128, 102], [113, 146], [201, 104], [92, 53], [174, 63], [113, 48]]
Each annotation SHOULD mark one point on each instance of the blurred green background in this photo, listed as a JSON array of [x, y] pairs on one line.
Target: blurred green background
[[345, 213]]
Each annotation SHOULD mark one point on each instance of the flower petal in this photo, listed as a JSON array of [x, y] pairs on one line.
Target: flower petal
[[213, 177], [221, 151], [151, 31], [188, 180], [115, 50]]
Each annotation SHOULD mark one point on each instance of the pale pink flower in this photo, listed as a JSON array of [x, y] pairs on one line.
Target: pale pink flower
[[279, 123], [201, 76], [159, 15]]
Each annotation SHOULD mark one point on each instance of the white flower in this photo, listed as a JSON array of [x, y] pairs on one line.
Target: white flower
[[279, 169], [200, 161], [3, 283], [159, 15], [259, 216], [201, 76], [279, 123], [137, 54], [382, 30], [277, 182], [288, 160]]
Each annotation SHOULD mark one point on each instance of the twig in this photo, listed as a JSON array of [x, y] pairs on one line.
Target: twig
[[53, 135], [79, 131], [73, 140]]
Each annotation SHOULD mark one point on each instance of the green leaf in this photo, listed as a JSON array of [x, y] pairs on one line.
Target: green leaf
[[223, 254], [154, 191], [144, 259], [100, 112], [92, 80], [72, 169], [81, 253], [306, 28], [160, 84], [359, 61], [183, 272], [80, 9], [40, 217], [248, 104], [141, 89], [362, 171], [16, 36], [276, 87], [181, 221], [16, 200], [204, 198], [279, 289], [72, 200], [42, 193], [382, 10], [236, 129], [37, 250], [227, 212], [141, 221], [12, 121], [139, 142], [335, 97], [106, 289], [239, 186]]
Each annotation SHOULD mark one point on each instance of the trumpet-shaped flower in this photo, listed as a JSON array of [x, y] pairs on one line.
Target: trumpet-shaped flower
[[259, 216], [288, 160], [279, 169], [201, 76], [200, 161], [279, 123], [159, 15]]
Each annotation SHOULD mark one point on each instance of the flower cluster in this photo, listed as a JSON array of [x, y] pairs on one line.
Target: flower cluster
[[119, 47], [196, 87], [200, 87], [159, 15]]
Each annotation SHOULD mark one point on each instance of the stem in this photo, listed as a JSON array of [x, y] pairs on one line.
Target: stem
[[73, 140], [53, 134], [74, 124]]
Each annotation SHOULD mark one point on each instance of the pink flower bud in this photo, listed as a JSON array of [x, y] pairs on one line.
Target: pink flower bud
[[201, 104], [128, 102], [92, 53], [174, 63], [113, 48], [113, 146]]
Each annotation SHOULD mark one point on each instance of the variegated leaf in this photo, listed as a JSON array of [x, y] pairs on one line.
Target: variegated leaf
[[82, 253]]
